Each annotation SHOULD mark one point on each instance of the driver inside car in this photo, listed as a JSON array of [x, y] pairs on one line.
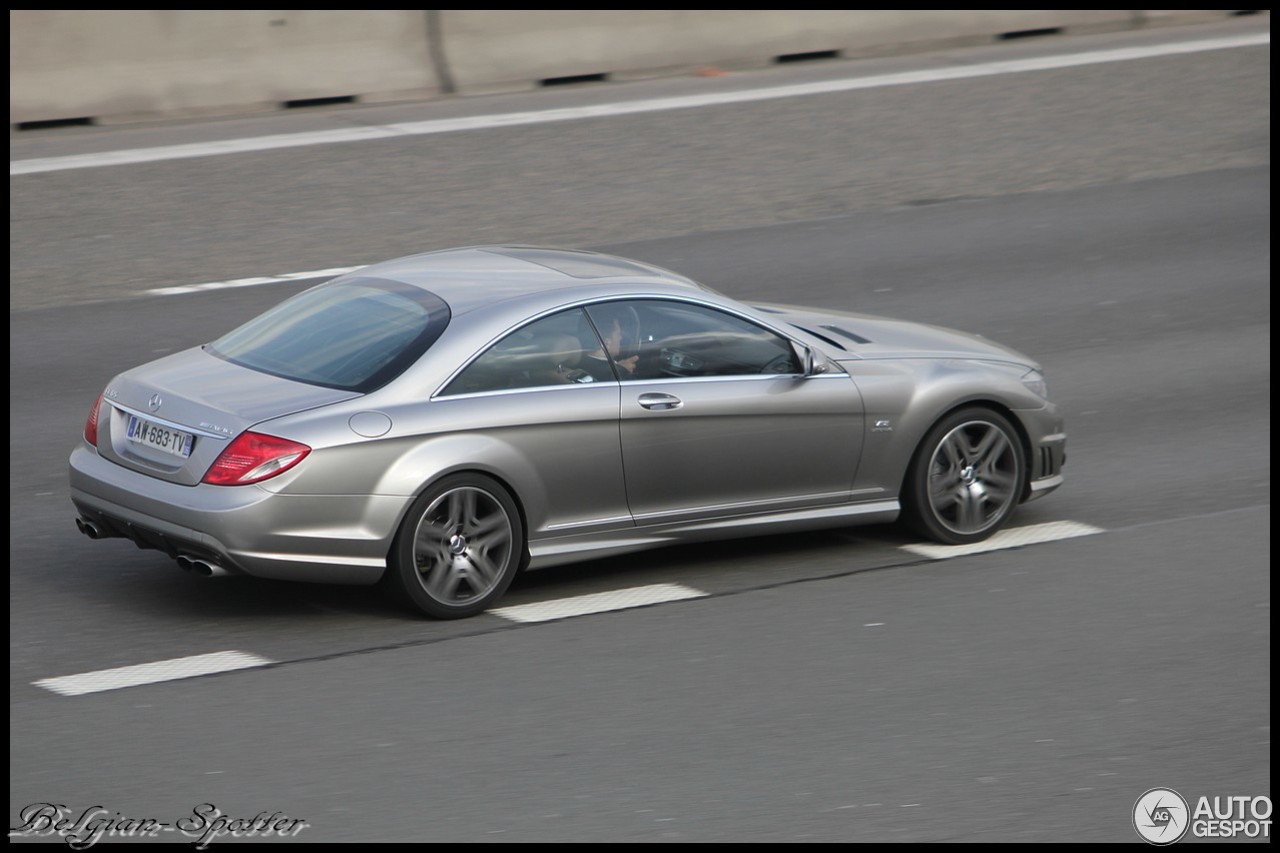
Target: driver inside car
[[619, 327]]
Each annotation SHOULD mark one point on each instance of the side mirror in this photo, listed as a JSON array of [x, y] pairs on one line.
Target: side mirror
[[810, 365]]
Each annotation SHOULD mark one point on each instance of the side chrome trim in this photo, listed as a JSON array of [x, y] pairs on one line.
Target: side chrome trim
[[737, 377], [825, 500], [592, 522], [821, 514], [504, 392]]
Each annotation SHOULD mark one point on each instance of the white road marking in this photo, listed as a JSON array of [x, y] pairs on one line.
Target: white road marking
[[249, 282], [542, 611], [1014, 538], [151, 673], [485, 122], [600, 602]]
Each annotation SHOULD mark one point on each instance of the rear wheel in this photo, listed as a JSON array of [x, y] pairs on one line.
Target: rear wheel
[[458, 548], [966, 478]]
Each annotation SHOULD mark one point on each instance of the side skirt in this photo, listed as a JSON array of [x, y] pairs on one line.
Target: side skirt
[[559, 550]]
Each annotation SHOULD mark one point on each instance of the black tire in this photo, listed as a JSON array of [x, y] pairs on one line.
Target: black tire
[[966, 478], [458, 548]]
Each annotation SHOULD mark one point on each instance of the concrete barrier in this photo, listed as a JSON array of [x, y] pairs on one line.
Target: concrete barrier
[[123, 65], [97, 66], [504, 50]]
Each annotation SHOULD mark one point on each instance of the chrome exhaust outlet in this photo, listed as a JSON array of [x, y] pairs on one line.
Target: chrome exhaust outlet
[[88, 528], [200, 566], [206, 569]]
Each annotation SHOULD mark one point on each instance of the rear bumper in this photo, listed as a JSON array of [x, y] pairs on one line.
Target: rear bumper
[[244, 529]]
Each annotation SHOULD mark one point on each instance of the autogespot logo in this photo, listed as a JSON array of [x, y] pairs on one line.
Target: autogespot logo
[[1160, 816]]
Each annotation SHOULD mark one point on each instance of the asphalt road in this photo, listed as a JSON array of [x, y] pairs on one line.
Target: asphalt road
[[1112, 220]]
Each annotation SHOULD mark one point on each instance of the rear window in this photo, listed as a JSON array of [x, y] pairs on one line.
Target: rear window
[[353, 334]]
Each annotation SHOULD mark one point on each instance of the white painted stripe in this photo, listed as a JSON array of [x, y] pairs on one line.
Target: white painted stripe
[[600, 602], [1015, 538], [249, 282], [151, 673], [485, 122]]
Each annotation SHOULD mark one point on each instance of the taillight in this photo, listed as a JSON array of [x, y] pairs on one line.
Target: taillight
[[91, 425], [253, 457]]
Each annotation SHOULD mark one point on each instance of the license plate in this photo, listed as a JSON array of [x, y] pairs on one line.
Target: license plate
[[164, 438]]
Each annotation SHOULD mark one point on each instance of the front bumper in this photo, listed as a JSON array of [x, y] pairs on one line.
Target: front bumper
[[1048, 450]]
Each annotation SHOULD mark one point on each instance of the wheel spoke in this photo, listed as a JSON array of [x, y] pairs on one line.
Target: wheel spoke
[[485, 571], [468, 509], [989, 447], [462, 508], [942, 490], [490, 524], [493, 544], [435, 575], [970, 516], [1001, 482], [954, 450], [447, 589], [430, 536], [429, 552]]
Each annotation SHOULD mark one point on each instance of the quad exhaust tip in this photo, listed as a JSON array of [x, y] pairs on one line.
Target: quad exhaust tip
[[198, 566], [88, 528]]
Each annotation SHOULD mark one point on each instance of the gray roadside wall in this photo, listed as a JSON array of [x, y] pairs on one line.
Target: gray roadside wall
[[103, 66]]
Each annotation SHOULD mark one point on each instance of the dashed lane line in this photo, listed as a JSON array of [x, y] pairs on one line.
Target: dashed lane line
[[599, 602], [541, 611], [1016, 537], [151, 673]]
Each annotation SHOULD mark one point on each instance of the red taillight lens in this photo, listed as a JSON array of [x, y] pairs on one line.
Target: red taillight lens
[[253, 457], [91, 425]]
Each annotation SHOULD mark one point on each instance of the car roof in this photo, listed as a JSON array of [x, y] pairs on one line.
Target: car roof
[[477, 276]]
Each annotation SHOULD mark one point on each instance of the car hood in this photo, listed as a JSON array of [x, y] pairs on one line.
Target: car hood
[[848, 336]]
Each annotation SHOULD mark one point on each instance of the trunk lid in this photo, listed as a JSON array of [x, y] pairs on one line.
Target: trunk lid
[[171, 418]]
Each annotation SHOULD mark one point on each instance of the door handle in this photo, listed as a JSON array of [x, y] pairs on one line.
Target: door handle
[[660, 402]]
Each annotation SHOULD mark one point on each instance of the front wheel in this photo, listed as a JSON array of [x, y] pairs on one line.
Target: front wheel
[[966, 477], [458, 548]]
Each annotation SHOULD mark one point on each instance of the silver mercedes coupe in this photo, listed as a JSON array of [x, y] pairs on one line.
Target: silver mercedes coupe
[[442, 421]]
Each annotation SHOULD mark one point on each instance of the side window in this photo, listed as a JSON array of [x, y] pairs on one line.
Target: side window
[[656, 339], [555, 350]]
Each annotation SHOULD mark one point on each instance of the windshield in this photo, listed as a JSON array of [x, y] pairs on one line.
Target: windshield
[[353, 334]]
